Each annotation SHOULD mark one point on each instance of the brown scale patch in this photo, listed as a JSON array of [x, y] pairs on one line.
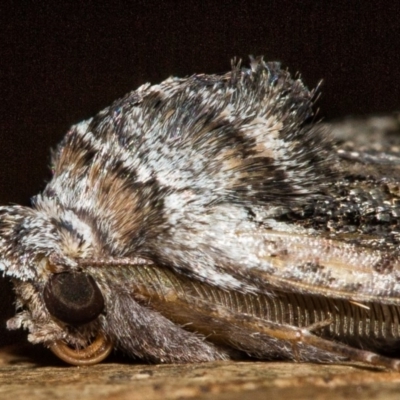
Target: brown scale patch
[[77, 151], [229, 159], [117, 203], [310, 266], [385, 265], [131, 211]]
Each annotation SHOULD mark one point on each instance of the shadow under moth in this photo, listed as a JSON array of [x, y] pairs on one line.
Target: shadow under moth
[[206, 219]]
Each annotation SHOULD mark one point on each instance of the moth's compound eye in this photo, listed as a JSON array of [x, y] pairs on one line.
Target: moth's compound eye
[[73, 298]]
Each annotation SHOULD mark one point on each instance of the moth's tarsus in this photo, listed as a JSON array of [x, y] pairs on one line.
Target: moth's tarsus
[[205, 219]]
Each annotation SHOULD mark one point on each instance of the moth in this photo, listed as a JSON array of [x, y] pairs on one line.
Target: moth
[[206, 218]]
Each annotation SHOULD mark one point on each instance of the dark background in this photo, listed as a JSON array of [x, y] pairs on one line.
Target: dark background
[[61, 64]]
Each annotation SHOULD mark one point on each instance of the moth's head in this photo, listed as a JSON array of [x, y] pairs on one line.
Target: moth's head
[[56, 300], [30, 236]]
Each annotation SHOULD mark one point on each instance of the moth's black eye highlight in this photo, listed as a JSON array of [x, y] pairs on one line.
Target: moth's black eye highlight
[[73, 298]]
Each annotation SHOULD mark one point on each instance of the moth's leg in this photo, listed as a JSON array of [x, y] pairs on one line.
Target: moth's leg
[[311, 328], [305, 336], [343, 350]]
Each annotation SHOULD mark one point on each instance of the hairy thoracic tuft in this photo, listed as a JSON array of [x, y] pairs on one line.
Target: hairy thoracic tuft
[[185, 145]]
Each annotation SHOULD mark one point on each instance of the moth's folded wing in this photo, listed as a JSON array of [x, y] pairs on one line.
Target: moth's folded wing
[[317, 265]]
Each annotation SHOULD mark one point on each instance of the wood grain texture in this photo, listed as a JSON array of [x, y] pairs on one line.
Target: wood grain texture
[[32, 372]]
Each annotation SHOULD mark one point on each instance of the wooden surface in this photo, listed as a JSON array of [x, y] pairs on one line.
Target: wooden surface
[[31, 372]]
